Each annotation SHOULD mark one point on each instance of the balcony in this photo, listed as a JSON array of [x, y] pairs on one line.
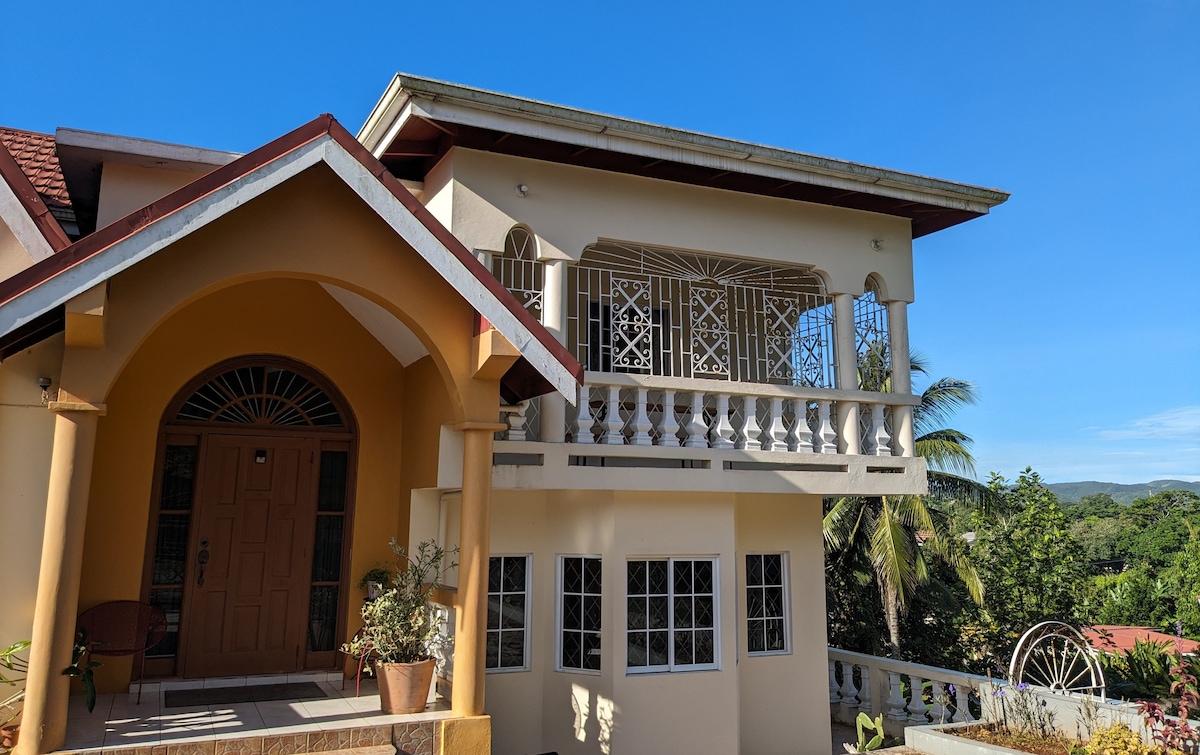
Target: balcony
[[726, 367]]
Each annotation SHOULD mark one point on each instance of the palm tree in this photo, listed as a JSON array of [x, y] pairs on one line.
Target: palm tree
[[898, 535]]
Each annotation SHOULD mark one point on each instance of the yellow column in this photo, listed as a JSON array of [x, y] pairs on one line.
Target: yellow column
[[470, 628], [44, 723]]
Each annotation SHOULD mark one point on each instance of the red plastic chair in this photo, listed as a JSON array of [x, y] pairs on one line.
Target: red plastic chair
[[124, 627]]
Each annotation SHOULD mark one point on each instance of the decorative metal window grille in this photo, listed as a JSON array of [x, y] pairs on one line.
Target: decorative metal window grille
[[261, 394], [520, 271], [871, 341], [656, 312], [672, 614], [579, 613], [508, 612], [327, 550], [766, 604], [169, 568]]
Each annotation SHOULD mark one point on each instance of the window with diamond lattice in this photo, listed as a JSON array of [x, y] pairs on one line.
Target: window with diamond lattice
[[871, 341], [508, 613], [658, 312], [766, 604], [672, 615], [579, 613], [261, 394]]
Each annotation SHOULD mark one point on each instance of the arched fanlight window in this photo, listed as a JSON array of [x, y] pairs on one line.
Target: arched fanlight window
[[519, 269], [261, 394], [871, 340]]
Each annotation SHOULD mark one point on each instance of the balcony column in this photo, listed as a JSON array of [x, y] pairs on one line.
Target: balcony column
[[470, 628], [44, 725], [902, 416], [846, 357], [554, 318]]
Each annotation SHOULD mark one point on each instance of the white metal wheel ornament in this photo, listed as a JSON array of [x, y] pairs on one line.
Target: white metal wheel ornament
[[1056, 656]]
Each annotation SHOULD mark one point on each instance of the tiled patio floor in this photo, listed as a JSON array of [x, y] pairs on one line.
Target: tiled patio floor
[[278, 727]]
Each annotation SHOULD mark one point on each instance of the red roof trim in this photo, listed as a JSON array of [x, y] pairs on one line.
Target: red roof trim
[[14, 176], [121, 229]]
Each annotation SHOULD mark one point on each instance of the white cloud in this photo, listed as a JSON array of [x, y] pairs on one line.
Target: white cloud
[[1179, 423]]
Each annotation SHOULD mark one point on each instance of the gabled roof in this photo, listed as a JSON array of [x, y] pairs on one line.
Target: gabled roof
[[37, 291], [22, 207], [1120, 639], [36, 155], [417, 120]]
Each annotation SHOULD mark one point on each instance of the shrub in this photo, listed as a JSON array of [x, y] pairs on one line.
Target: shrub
[[1117, 739]]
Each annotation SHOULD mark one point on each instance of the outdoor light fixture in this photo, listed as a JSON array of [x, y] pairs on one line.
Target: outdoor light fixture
[[44, 383], [522, 190], [877, 245]]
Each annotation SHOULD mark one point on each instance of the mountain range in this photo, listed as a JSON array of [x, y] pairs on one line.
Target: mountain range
[[1070, 492]]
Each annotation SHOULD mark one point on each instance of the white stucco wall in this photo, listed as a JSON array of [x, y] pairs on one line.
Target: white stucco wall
[[570, 207]]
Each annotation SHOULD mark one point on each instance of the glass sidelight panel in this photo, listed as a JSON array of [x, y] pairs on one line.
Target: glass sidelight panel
[[328, 548], [169, 567]]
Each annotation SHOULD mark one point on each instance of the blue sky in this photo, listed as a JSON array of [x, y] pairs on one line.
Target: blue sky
[[1072, 306]]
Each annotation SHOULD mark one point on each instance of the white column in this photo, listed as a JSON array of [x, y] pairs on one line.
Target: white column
[[916, 705], [846, 356], [669, 426], [722, 428], [826, 442], [554, 317], [584, 419], [776, 436], [697, 430], [848, 691], [834, 697], [902, 422], [749, 431], [640, 422], [613, 427], [937, 711], [962, 707], [895, 701]]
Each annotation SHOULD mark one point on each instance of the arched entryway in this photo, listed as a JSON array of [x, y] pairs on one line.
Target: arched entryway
[[249, 543]]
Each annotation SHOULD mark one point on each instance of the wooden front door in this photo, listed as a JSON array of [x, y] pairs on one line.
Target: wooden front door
[[251, 557]]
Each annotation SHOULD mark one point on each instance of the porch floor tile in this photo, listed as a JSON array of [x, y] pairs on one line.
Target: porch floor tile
[[118, 723]]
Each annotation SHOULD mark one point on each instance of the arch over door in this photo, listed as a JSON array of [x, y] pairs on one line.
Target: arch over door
[[253, 498]]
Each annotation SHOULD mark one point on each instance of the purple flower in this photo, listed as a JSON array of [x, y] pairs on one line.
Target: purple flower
[[998, 692], [950, 688], [1022, 687]]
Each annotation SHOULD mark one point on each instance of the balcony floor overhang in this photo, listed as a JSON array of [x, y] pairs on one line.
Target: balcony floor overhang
[[531, 465]]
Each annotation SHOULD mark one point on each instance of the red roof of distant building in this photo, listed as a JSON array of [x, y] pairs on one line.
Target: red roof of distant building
[[1115, 639], [36, 155]]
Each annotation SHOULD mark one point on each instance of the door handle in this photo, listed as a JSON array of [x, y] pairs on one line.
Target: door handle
[[201, 560]]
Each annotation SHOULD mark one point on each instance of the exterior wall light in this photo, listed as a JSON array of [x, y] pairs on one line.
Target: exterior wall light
[[877, 245], [522, 190]]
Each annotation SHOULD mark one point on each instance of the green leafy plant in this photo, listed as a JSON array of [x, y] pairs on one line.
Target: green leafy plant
[[13, 667], [380, 574], [1140, 673], [862, 723], [399, 626], [83, 667], [1117, 739]]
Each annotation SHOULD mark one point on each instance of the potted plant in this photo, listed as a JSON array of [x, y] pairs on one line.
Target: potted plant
[[376, 578], [13, 668], [400, 629]]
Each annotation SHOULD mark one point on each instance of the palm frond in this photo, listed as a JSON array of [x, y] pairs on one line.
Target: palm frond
[[966, 490], [892, 559], [947, 450], [940, 400]]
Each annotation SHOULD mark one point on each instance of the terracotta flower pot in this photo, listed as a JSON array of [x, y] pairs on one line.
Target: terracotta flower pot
[[9, 736], [404, 687]]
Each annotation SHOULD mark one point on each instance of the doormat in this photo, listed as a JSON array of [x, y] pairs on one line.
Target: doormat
[[256, 693]]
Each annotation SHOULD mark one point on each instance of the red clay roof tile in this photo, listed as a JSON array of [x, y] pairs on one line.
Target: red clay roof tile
[[36, 155]]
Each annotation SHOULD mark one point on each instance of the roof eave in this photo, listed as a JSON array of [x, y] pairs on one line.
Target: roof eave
[[455, 103]]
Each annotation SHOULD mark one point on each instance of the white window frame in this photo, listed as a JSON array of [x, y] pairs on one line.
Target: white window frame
[[526, 627], [558, 614], [786, 607], [671, 666]]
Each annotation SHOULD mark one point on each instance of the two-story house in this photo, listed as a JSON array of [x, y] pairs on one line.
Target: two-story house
[[617, 365]]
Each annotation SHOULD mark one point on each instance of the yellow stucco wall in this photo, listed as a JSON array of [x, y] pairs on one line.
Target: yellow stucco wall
[[248, 283], [125, 187], [26, 437], [291, 318]]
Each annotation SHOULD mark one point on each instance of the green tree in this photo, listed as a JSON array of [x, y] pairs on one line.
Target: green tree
[[1100, 505], [1184, 582], [1029, 564], [881, 533]]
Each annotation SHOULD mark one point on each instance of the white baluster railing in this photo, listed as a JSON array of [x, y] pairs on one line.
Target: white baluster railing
[[619, 409], [903, 684]]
